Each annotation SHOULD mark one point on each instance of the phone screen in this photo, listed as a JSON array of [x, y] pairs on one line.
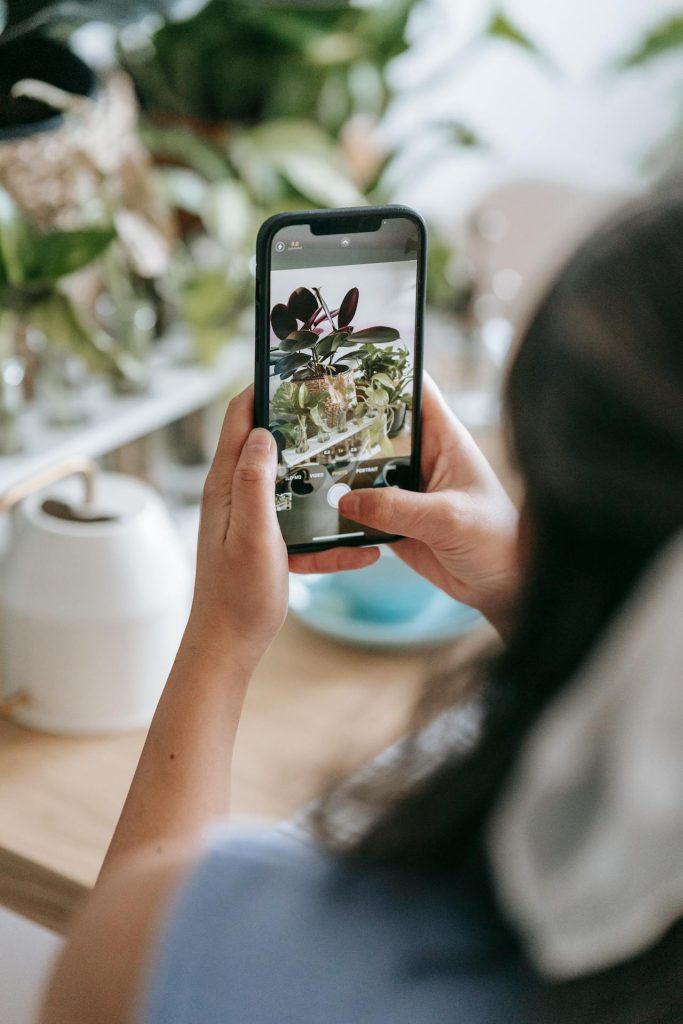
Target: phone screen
[[342, 385]]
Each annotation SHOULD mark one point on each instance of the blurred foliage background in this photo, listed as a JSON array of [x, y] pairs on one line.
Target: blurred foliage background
[[249, 107]]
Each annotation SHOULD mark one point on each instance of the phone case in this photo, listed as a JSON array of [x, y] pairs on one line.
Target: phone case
[[344, 219]]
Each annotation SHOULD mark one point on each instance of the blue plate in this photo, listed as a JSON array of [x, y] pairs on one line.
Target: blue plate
[[317, 602]]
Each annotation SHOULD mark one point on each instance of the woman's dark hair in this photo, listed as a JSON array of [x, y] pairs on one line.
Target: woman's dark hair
[[594, 413]]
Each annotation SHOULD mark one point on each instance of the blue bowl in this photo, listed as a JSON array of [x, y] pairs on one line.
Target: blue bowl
[[388, 591]]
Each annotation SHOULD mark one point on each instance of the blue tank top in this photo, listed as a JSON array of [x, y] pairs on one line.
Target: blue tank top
[[268, 928]]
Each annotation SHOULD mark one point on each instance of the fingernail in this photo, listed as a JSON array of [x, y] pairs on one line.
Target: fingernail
[[350, 505], [260, 439]]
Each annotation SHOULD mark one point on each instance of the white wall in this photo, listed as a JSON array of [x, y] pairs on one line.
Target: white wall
[[572, 119]]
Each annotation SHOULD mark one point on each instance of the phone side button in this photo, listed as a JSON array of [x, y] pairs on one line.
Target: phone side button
[[336, 493]]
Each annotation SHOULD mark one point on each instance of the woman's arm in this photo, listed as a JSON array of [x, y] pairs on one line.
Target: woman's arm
[[183, 778], [182, 781]]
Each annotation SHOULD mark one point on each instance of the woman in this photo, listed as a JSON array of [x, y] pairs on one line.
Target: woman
[[406, 923]]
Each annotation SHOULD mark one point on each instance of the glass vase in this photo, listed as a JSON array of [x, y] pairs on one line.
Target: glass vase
[[323, 432], [340, 419], [12, 372], [61, 388], [301, 435]]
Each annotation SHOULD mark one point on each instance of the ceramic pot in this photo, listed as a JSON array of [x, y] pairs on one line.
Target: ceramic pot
[[93, 602]]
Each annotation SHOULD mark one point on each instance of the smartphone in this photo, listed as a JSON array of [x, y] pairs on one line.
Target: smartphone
[[339, 315]]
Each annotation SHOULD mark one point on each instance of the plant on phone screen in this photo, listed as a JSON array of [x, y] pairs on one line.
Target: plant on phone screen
[[391, 369], [294, 403], [395, 362], [313, 336]]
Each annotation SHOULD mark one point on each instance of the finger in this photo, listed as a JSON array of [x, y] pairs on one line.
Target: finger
[[394, 511], [335, 560], [252, 513], [237, 423]]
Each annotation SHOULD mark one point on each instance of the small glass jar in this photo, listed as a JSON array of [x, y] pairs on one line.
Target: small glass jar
[[12, 372], [62, 386], [301, 434]]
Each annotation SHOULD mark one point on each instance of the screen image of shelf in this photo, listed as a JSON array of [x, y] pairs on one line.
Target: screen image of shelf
[[342, 314]]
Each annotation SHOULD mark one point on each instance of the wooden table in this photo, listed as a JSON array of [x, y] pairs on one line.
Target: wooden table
[[315, 709]]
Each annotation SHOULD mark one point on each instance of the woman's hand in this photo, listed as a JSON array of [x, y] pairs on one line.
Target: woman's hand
[[462, 533], [240, 596]]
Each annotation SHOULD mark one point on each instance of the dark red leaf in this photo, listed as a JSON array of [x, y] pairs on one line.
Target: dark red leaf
[[283, 321], [303, 304], [348, 307], [379, 334]]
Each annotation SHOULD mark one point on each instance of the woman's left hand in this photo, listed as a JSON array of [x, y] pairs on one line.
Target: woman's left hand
[[241, 588]]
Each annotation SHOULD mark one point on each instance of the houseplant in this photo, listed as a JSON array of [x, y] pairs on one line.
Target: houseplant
[[313, 338], [295, 403], [36, 272], [390, 369]]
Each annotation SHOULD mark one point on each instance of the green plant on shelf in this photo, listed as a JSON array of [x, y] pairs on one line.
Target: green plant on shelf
[[390, 370], [294, 403], [33, 268], [372, 359], [386, 400]]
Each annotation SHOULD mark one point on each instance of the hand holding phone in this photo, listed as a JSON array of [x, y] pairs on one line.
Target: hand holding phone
[[340, 297]]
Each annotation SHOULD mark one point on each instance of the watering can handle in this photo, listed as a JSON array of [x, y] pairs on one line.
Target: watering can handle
[[77, 465]]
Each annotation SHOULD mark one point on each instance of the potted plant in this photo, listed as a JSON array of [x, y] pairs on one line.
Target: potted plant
[[390, 368], [313, 338], [295, 403], [33, 269]]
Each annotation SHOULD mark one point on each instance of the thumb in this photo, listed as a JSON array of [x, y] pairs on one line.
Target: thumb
[[392, 510], [252, 495]]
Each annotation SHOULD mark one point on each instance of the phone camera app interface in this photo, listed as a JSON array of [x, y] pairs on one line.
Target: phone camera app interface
[[342, 343]]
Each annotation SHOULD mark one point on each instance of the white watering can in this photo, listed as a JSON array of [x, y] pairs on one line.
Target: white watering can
[[94, 595]]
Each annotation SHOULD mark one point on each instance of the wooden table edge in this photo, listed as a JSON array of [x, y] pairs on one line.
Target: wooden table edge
[[37, 893]]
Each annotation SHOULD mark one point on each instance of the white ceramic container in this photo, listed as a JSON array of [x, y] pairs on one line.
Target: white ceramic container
[[91, 613]]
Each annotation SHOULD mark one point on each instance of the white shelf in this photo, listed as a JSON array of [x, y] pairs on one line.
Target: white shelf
[[175, 391], [293, 458]]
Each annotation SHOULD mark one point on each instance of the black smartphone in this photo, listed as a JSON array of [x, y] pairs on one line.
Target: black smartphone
[[339, 314]]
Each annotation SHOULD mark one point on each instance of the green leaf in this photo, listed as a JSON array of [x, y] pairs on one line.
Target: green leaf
[[206, 297], [378, 334], [183, 145], [664, 37], [328, 345], [49, 257], [297, 340], [319, 181], [317, 416], [377, 396], [12, 231], [56, 317], [286, 366], [501, 27], [182, 188], [227, 214], [25, 16], [384, 380]]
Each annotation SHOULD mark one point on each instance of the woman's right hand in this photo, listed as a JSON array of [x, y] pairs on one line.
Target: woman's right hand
[[460, 532]]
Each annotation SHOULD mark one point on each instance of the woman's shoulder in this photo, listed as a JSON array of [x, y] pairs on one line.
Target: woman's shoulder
[[268, 921]]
